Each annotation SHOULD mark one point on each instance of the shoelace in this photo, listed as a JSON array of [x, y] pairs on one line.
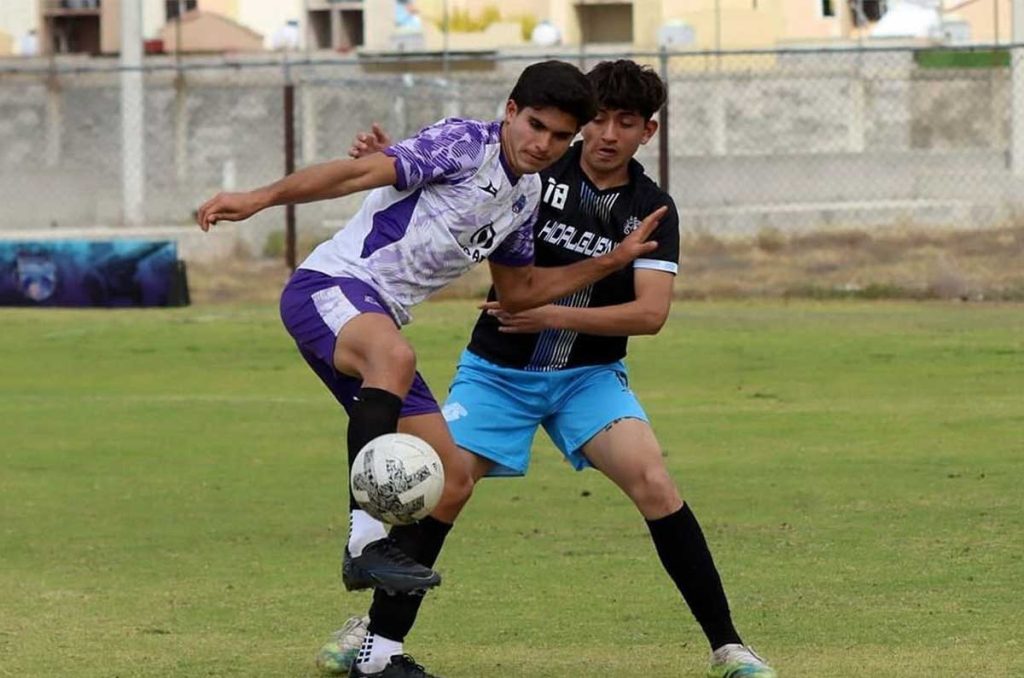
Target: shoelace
[[395, 554]]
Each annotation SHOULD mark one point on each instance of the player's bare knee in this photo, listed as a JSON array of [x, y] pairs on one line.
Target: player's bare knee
[[398, 357], [655, 493], [458, 488]]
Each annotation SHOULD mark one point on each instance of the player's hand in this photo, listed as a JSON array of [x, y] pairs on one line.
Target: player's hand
[[532, 321], [636, 244], [367, 143], [227, 207]]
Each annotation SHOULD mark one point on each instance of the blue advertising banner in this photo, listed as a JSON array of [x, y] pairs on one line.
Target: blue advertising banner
[[112, 273]]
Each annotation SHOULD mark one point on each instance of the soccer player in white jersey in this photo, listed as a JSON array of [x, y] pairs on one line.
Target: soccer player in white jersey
[[458, 193], [560, 366]]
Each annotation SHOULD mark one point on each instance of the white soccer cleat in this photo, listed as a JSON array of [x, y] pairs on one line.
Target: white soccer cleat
[[738, 661], [338, 654]]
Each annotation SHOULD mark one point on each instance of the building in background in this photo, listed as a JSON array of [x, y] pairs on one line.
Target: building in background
[[201, 32], [92, 26], [17, 19]]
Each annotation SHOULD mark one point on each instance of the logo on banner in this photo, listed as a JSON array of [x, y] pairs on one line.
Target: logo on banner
[[37, 276]]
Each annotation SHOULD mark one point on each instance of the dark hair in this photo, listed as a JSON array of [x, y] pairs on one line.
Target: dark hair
[[557, 84], [625, 85]]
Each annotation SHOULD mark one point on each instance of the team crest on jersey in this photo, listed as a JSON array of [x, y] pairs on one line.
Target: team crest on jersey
[[631, 225], [519, 204]]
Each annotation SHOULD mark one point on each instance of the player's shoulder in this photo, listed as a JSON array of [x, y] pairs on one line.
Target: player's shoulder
[[467, 129], [647, 192]]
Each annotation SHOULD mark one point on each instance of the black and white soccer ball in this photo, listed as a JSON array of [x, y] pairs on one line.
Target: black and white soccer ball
[[397, 478]]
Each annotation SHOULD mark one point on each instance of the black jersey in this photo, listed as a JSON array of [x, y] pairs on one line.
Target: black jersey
[[578, 220]]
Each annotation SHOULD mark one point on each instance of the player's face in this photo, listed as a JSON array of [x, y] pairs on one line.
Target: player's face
[[536, 137], [612, 138]]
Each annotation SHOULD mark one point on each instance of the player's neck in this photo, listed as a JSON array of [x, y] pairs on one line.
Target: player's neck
[[506, 155], [605, 179]]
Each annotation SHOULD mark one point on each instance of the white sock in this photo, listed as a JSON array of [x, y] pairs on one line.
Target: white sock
[[363, 529], [376, 653]]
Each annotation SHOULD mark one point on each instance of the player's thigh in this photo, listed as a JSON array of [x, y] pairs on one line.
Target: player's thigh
[[628, 453], [371, 346], [342, 323], [494, 413]]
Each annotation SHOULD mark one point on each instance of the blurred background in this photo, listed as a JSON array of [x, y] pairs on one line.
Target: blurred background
[[814, 147]]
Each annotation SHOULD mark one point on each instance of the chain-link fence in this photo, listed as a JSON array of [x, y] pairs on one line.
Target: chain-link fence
[[791, 140]]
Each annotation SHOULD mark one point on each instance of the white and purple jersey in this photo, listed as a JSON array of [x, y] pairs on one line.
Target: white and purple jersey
[[455, 203]]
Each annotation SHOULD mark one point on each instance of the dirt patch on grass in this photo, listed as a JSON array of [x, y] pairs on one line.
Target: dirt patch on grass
[[908, 263], [972, 265]]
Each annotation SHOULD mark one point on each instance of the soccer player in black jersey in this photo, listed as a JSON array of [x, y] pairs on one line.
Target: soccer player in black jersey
[[560, 367]]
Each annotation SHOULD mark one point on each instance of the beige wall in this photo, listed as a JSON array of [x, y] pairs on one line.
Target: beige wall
[[981, 15], [737, 24], [212, 33], [802, 20], [6, 44], [110, 27]]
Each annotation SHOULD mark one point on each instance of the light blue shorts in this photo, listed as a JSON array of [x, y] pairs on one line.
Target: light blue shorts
[[494, 411]]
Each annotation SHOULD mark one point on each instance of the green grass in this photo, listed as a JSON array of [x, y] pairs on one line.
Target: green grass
[[961, 58], [172, 497]]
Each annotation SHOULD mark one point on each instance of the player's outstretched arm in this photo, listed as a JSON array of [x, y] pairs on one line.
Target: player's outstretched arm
[[327, 180], [646, 314], [522, 288]]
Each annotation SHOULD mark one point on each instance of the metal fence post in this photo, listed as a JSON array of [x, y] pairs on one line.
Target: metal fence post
[[289, 165], [1017, 91], [663, 138], [133, 168]]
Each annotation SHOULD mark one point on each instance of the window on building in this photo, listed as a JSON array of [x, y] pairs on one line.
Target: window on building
[[827, 8], [173, 7], [867, 11]]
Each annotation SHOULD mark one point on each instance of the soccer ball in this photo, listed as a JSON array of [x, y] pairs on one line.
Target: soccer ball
[[397, 478]]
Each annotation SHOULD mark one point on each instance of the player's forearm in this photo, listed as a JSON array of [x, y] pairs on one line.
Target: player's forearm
[[324, 181], [621, 320], [544, 285]]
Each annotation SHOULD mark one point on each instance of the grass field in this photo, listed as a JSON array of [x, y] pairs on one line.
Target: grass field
[[172, 495]]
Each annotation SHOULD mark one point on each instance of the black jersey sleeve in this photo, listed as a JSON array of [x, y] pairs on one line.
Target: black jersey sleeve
[[666, 256]]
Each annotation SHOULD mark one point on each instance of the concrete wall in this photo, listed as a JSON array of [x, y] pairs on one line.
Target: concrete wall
[[815, 140]]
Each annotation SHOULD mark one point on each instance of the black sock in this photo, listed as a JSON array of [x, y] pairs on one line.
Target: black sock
[[393, 616], [685, 555], [374, 413]]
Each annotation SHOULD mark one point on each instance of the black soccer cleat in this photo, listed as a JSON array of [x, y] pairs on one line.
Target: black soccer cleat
[[385, 566], [400, 666]]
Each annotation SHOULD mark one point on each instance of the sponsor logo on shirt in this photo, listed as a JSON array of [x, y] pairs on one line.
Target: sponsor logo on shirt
[[489, 188], [555, 194], [575, 240], [631, 225], [481, 241]]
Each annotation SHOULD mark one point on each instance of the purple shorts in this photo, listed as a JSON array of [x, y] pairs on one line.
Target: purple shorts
[[314, 308]]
